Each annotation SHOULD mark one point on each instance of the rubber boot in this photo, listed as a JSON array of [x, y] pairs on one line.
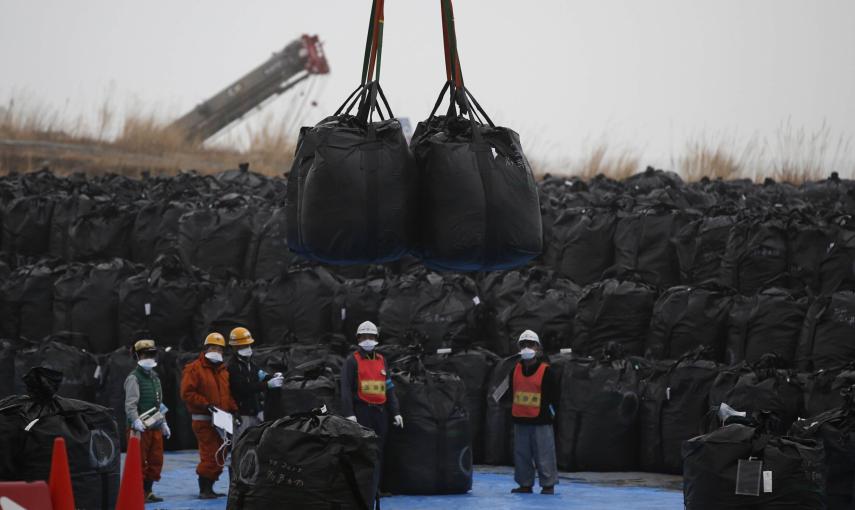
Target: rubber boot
[[147, 491], [206, 489]]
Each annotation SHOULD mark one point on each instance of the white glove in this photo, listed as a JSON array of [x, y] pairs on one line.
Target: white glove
[[260, 415], [352, 418], [398, 421], [138, 425], [164, 429], [275, 382]]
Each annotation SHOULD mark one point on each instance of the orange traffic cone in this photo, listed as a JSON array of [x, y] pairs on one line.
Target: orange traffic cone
[[61, 494], [131, 491]]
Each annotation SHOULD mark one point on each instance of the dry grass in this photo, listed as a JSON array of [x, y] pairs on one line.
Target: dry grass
[[145, 142], [37, 136]]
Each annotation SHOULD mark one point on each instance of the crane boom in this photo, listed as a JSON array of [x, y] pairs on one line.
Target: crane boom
[[296, 62]]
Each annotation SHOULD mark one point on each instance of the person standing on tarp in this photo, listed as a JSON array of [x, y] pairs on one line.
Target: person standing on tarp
[[205, 385], [247, 382], [144, 397], [535, 387], [367, 393]]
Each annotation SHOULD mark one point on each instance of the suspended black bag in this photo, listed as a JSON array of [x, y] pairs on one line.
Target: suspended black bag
[[29, 424], [351, 193], [711, 467], [479, 208], [308, 461], [433, 405]]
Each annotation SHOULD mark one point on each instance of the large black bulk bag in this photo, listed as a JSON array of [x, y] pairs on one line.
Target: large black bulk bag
[[67, 208], [170, 369], [580, 245], [216, 238], [685, 318], [358, 300], [160, 302], [242, 180], [826, 340], [351, 190], [642, 243], [824, 389], [499, 428], [79, 368], [115, 368], [268, 255], [28, 301], [548, 308], [102, 232], [756, 388], [308, 385], [700, 248], [673, 405], [756, 255], [613, 311], [225, 306], [711, 462], [155, 229], [445, 313], [436, 433], [90, 434], [767, 322], [597, 421], [479, 207], [297, 307], [473, 366], [86, 300], [651, 179], [835, 430], [26, 225], [305, 461]]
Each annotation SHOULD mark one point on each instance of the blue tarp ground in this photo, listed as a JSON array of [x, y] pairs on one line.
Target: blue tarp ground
[[491, 491]]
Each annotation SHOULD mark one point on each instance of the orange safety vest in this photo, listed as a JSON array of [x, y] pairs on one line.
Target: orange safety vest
[[371, 379], [528, 392]]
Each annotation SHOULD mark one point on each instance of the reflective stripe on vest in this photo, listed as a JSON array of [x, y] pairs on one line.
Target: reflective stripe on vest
[[371, 379], [528, 392]]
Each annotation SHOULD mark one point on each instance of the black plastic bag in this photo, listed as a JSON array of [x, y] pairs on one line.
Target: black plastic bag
[[685, 318], [305, 461], [768, 322], [351, 190], [297, 307], [613, 311], [436, 432]]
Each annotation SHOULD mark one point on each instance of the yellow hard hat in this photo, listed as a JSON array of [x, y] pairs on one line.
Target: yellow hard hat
[[240, 337], [215, 339]]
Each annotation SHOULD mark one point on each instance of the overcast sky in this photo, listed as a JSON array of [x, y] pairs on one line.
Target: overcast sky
[[646, 74]]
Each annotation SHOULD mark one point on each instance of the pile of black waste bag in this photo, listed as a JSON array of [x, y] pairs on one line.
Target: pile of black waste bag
[[656, 299]]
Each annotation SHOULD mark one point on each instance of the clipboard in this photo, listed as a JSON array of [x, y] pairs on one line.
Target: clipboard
[[223, 420]]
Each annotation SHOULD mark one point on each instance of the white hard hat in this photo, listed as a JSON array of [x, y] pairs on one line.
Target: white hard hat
[[367, 328], [530, 336]]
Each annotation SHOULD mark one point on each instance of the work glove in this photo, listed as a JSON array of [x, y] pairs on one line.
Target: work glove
[[261, 375], [276, 382], [352, 418], [138, 425], [398, 421], [164, 429], [260, 416]]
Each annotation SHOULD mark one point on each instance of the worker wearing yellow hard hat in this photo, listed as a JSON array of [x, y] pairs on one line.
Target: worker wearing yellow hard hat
[[204, 387], [247, 381]]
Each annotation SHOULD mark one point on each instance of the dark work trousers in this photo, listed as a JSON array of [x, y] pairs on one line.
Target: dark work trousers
[[374, 417]]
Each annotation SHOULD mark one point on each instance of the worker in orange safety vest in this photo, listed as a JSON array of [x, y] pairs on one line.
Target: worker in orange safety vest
[[534, 386]]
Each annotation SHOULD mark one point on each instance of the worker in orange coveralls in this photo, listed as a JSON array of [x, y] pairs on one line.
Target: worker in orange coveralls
[[205, 385]]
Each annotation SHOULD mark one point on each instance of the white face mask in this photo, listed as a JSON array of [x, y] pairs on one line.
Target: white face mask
[[245, 352], [214, 357], [368, 345], [147, 363], [527, 353]]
